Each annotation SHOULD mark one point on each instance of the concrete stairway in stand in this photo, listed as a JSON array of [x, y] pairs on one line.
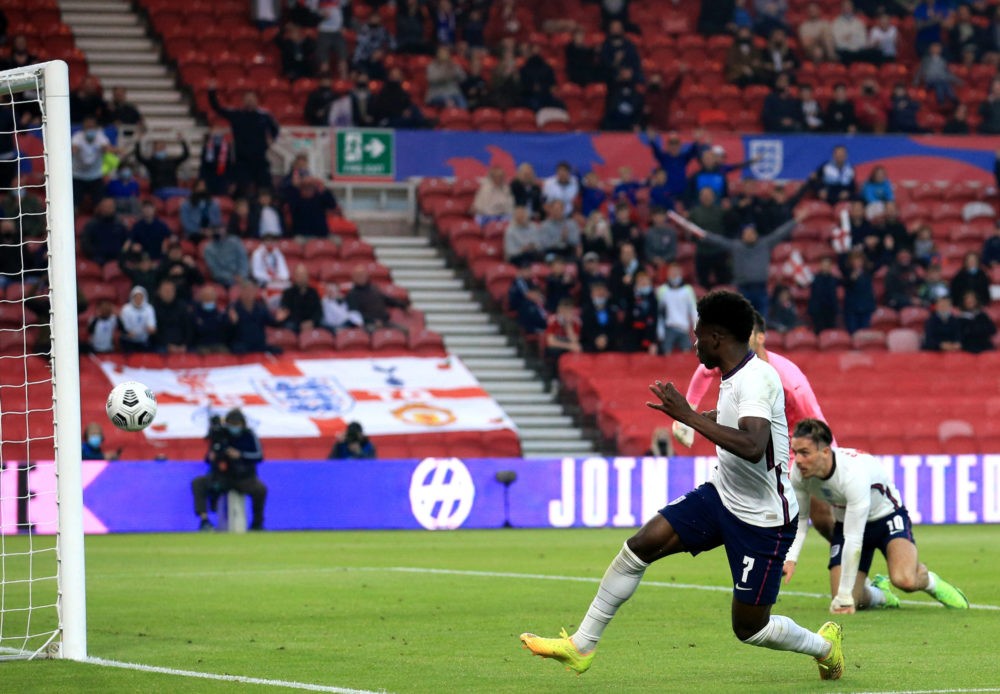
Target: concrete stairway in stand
[[469, 331], [120, 54]]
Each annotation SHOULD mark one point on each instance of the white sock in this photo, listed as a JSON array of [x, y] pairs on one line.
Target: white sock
[[874, 596], [931, 583], [782, 634], [619, 582]]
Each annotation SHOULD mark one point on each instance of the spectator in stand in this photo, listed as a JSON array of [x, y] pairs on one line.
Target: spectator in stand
[[249, 319], [226, 258], [254, 130], [877, 188], [743, 61], [711, 174], [411, 28], [562, 332], [317, 108], [776, 209], [942, 330], [589, 272], [883, 38], [641, 311], [124, 190], [924, 248], [330, 41], [850, 37], [834, 181], [526, 190], [392, 107], [840, 116], [531, 316], [19, 55], [243, 222], [902, 113], [474, 86], [300, 307], [268, 266], [537, 80], [989, 110], [990, 255], [750, 256], [958, 122], [623, 272], [149, 231], [659, 98], [581, 60], [812, 112], [824, 307], [373, 43], [139, 268], [777, 57], [93, 438], [770, 15], [674, 158], [592, 194], [23, 202], [711, 263], [560, 283], [200, 213], [624, 105], [523, 282], [659, 190], [372, 303], [975, 327], [444, 80], [618, 53], [360, 97], [782, 314], [181, 269], [561, 186], [894, 227], [935, 74], [103, 235], [859, 291], [902, 282], [269, 220], [217, 163], [89, 147], [782, 112], [103, 330], [353, 445], [445, 22], [559, 234], [493, 202], [522, 241], [298, 52], [162, 168], [965, 34], [474, 29], [870, 108], [677, 312], [741, 17], [660, 242], [970, 278], [209, 324], [173, 320], [874, 248], [931, 17], [308, 205], [933, 286], [138, 322], [600, 322], [505, 84], [87, 102], [815, 33], [623, 228], [596, 239], [121, 112], [336, 313]]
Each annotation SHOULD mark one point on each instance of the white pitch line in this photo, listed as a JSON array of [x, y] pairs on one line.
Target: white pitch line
[[934, 691], [287, 684]]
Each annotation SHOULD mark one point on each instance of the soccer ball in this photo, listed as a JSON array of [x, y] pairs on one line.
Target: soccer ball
[[131, 406]]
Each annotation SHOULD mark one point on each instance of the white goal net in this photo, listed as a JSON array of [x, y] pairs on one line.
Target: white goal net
[[41, 533]]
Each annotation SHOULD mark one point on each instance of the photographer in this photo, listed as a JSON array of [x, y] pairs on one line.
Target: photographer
[[233, 455], [353, 444]]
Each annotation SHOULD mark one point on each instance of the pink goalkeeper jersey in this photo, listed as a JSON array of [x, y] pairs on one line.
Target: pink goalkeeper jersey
[[800, 401]]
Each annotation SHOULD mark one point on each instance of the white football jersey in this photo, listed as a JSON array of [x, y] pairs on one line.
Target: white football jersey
[[757, 492]]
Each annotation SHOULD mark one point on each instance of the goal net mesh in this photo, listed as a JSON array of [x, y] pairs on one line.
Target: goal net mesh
[[29, 619]]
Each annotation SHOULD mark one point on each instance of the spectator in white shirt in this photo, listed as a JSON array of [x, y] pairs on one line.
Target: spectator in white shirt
[[883, 37], [562, 186], [330, 38], [850, 38], [89, 145], [270, 218], [336, 313], [268, 267], [814, 32], [138, 322], [678, 312]]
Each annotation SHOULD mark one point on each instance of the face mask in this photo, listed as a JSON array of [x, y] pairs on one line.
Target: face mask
[[600, 301], [91, 135], [643, 291], [208, 305], [125, 173], [234, 431], [675, 281], [160, 155], [95, 440], [662, 442]]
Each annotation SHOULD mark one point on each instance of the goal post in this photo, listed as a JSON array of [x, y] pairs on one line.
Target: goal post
[[24, 443]]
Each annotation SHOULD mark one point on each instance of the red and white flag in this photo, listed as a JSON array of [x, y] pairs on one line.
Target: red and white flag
[[796, 268], [686, 224], [841, 240]]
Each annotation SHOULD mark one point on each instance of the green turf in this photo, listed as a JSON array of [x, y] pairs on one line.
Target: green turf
[[320, 608]]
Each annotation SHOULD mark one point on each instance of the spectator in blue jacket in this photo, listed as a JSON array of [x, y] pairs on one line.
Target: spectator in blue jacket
[[674, 159], [149, 231], [308, 203], [353, 444], [859, 291], [104, 235], [877, 188], [209, 324], [200, 213]]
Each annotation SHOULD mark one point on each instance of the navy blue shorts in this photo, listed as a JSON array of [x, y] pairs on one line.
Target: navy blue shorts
[[877, 535], [756, 554]]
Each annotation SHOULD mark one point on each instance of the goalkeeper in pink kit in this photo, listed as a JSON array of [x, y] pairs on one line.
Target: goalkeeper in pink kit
[[800, 403]]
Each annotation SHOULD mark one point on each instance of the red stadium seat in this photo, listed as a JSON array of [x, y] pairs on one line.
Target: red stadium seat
[[834, 339], [317, 340], [352, 339], [903, 340], [884, 318], [913, 317], [867, 339], [426, 342], [388, 339]]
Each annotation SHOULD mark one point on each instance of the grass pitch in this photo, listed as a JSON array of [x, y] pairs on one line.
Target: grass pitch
[[441, 612]]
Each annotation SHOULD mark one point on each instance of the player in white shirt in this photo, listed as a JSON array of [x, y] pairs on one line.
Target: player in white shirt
[[870, 515], [747, 506]]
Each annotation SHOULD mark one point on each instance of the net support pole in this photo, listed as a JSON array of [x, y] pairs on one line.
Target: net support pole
[[65, 362]]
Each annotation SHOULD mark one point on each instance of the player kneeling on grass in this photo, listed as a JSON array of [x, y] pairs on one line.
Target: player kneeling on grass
[[869, 516], [747, 505]]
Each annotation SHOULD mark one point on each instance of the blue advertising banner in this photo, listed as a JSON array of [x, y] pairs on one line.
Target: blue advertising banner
[[448, 493]]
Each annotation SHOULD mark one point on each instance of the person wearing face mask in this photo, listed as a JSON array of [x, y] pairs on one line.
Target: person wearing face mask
[[254, 131], [89, 145], [970, 278], [200, 213], [660, 445], [599, 321], [640, 316], [233, 456], [227, 259], [124, 190], [162, 166], [678, 312], [93, 439], [209, 323]]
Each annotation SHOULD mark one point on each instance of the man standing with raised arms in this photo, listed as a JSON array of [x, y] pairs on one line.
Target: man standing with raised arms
[[747, 505], [870, 515], [800, 403]]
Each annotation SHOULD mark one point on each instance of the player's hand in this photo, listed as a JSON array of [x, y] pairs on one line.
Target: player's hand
[[711, 414], [683, 433], [672, 403], [840, 606], [788, 570]]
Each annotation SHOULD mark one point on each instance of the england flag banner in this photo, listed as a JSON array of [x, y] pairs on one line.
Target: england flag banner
[[292, 398]]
